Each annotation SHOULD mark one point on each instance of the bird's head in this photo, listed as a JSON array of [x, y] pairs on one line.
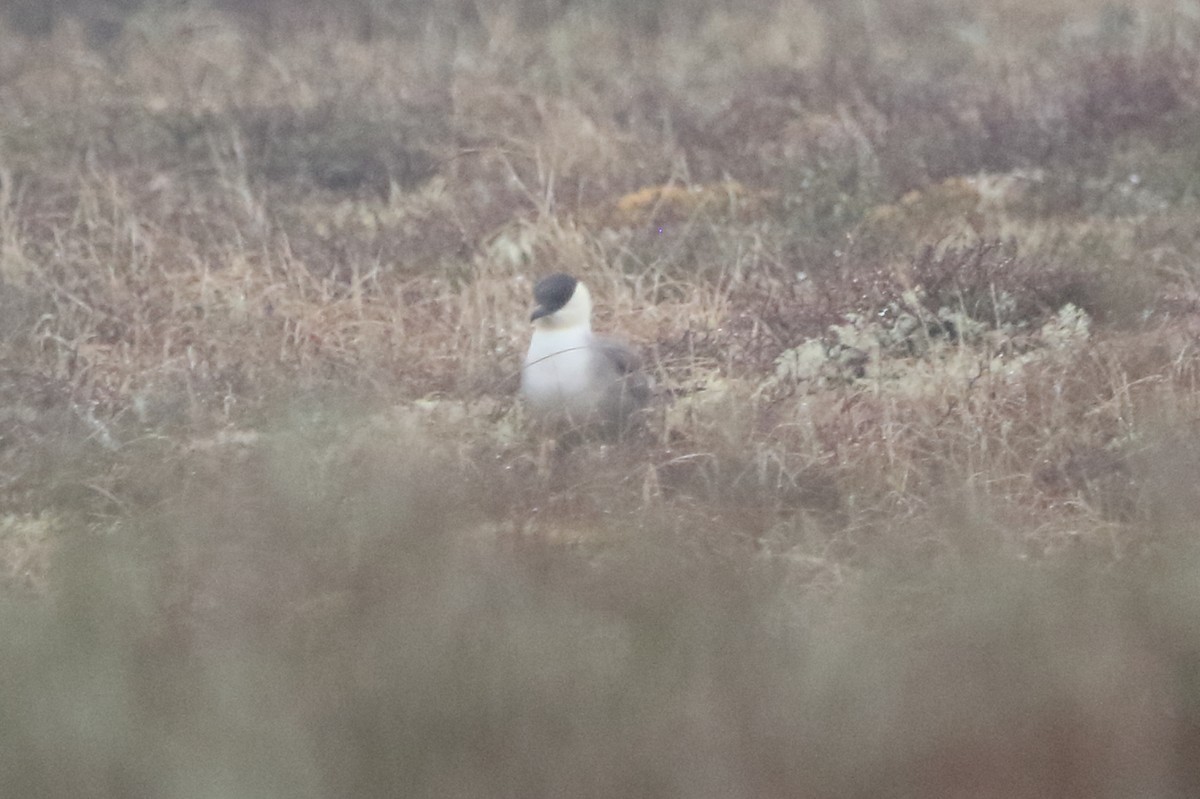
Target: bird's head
[[562, 301]]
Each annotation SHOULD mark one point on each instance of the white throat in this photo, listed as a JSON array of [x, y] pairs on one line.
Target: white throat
[[559, 372]]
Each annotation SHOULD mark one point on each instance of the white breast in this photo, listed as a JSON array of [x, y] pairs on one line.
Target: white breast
[[559, 373]]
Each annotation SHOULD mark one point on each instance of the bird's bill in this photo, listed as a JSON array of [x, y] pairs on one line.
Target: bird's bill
[[539, 312]]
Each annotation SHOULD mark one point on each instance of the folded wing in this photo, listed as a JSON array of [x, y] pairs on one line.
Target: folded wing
[[628, 389]]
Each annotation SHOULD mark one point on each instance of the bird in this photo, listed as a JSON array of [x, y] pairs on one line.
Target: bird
[[573, 377]]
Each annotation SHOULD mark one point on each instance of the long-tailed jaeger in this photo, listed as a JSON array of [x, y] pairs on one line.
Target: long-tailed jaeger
[[573, 376]]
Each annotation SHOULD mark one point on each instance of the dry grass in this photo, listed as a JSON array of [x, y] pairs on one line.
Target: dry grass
[[915, 515]]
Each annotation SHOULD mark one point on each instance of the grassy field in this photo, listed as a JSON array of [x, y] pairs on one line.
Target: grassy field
[[917, 511]]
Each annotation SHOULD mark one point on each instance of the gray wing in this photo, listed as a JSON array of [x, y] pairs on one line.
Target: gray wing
[[629, 389], [619, 355]]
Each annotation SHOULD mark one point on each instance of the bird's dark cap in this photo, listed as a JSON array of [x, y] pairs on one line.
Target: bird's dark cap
[[552, 293]]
